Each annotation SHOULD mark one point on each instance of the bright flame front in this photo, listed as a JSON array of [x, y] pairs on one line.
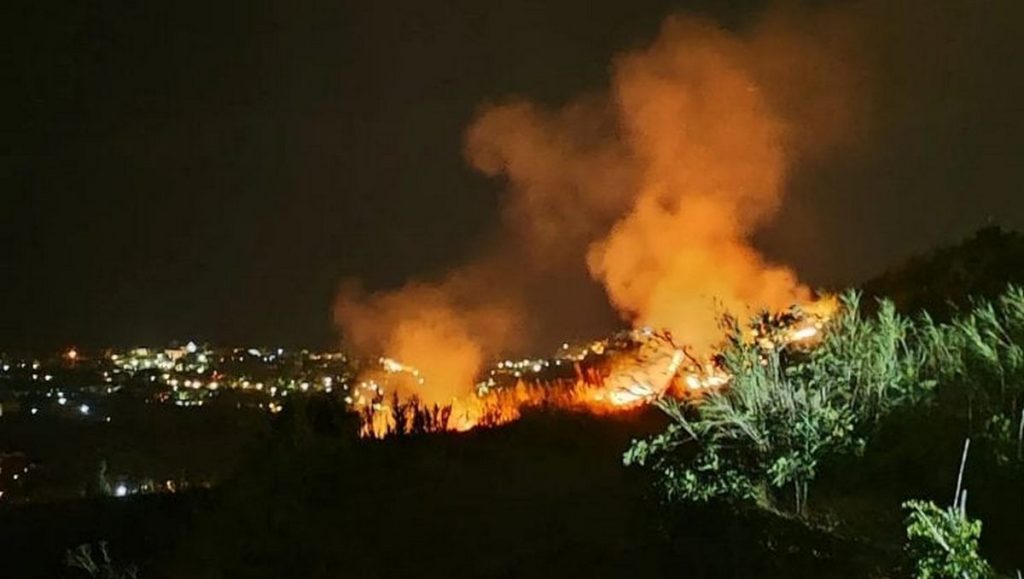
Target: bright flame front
[[608, 376]]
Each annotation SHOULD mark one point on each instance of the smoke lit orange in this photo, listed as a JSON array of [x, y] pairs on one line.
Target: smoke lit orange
[[652, 188]]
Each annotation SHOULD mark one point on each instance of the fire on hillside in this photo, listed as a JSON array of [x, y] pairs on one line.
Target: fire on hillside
[[623, 372]]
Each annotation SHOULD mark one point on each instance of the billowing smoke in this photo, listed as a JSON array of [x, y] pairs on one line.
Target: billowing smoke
[[653, 187], [445, 329], [704, 123]]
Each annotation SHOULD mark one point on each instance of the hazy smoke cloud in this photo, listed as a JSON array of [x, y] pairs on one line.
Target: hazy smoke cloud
[[445, 329], [714, 122], [655, 186]]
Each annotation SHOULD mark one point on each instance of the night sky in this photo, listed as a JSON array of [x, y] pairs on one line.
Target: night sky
[[212, 170]]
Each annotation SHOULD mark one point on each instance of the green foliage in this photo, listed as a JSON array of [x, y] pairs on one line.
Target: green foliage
[[787, 408], [944, 543], [713, 473], [983, 352], [984, 346], [1004, 437]]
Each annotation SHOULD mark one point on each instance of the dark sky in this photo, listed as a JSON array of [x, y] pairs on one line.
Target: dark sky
[[212, 170]]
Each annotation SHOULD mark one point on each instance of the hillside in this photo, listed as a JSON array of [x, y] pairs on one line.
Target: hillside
[[549, 495], [942, 281]]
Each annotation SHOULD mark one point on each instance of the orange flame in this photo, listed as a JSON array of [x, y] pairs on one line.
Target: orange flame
[[633, 377]]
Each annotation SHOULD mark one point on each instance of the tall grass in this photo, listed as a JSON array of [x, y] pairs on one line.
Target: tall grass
[[982, 353], [788, 407]]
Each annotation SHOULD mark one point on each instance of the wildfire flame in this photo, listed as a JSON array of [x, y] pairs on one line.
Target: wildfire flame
[[636, 370]]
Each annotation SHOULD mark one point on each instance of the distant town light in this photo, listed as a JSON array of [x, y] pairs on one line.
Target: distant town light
[[191, 347], [62, 401], [120, 491], [34, 411], [84, 409], [72, 354]]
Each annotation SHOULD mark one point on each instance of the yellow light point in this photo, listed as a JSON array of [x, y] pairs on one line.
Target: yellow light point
[[717, 380], [677, 360], [72, 354], [627, 397], [805, 333]]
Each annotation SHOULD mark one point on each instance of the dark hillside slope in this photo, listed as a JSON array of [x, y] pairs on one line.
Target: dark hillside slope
[[944, 279], [546, 496]]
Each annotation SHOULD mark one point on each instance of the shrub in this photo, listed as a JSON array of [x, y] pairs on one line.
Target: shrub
[[943, 542], [787, 408]]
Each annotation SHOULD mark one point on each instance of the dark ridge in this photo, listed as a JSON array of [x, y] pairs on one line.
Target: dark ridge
[[945, 279]]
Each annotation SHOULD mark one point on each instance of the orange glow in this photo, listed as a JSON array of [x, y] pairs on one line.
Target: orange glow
[[653, 187], [632, 377]]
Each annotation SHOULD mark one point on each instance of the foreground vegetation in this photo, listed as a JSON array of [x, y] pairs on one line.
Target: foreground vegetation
[[792, 410]]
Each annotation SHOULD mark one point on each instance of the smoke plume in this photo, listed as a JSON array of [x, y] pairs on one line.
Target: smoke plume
[[652, 187]]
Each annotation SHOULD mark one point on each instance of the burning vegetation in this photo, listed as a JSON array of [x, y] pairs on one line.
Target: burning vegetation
[[617, 374]]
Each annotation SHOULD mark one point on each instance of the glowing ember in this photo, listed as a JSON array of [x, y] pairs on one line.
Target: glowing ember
[[801, 334]]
